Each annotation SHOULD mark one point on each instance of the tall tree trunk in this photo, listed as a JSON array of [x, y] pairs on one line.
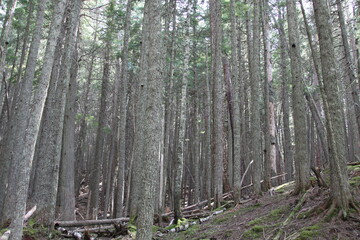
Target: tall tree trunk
[[4, 42], [123, 111], [235, 78], [217, 96], [311, 97], [256, 153], [67, 166], [24, 146], [353, 101], [339, 185], [50, 140], [270, 127], [100, 138], [179, 164], [153, 108], [302, 166]]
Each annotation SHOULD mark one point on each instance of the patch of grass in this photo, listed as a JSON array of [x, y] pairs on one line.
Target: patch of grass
[[355, 181], [254, 232], [355, 168], [256, 221], [228, 234], [2, 231], [219, 221], [192, 230], [270, 217], [276, 213], [310, 232]]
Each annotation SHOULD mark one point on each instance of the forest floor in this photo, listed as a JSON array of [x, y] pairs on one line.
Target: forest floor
[[280, 215], [275, 215]]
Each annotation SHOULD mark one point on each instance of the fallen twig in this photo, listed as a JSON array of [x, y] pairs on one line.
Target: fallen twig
[[29, 214], [6, 235]]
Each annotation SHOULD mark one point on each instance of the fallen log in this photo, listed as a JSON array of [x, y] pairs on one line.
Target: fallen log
[[198, 215], [6, 235], [89, 222], [97, 229]]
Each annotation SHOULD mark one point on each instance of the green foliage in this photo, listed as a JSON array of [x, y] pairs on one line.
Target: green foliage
[[354, 168], [2, 231], [310, 232], [33, 230], [254, 232], [355, 181], [192, 230]]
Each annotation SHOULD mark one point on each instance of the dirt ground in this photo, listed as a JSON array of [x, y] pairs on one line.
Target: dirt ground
[[267, 217], [275, 215]]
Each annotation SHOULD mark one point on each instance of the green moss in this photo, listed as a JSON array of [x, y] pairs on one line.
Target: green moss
[[132, 229], [355, 181], [355, 168], [256, 221], [285, 187], [181, 221], [155, 228], [310, 232], [276, 213], [219, 221], [254, 232], [192, 230], [270, 217], [228, 234], [2, 231]]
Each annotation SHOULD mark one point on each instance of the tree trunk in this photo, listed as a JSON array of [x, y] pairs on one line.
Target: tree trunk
[[339, 185], [235, 78], [123, 111], [181, 151], [153, 108], [302, 166], [15, 199], [256, 153], [67, 166], [49, 145], [217, 96], [97, 161], [270, 127]]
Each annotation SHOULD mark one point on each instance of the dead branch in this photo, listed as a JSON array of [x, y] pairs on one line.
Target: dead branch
[[29, 214], [353, 163], [6, 235], [321, 182], [198, 215], [89, 222]]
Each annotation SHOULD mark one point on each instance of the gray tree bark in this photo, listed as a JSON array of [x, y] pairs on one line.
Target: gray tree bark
[[153, 107], [97, 161], [217, 96], [67, 166], [256, 153], [302, 165], [50, 141], [339, 185], [235, 78], [15, 199], [123, 109], [182, 104]]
